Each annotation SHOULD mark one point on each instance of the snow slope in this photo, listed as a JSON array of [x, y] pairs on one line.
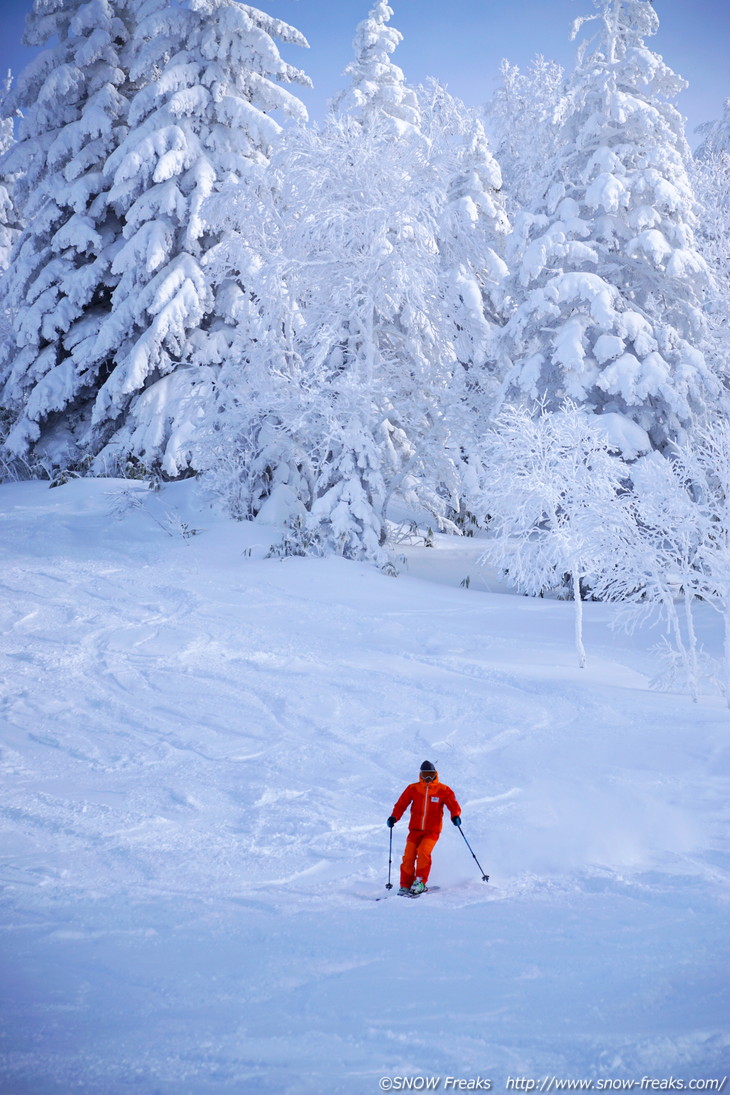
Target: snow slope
[[200, 747]]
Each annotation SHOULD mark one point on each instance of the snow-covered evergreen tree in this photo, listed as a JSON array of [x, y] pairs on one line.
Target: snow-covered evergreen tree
[[256, 454], [140, 112], [336, 403], [336, 397], [9, 222], [715, 135], [711, 178], [377, 87], [523, 121], [203, 122], [609, 283], [473, 221], [72, 98], [473, 227], [9, 218], [373, 265]]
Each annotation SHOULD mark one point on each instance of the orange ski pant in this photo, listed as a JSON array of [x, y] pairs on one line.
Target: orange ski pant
[[416, 861]]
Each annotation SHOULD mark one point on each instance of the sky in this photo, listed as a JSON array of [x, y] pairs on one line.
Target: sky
[[461, 42]]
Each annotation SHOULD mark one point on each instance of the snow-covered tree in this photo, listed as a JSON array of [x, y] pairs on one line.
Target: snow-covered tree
[[473, 227], [72, 98], [9, 221], [345, 396], [9, 218], [255, 453], [715, 135], [704, 466], [711, 179], [608, 282], [140, 112], [203, 122], [353, 358], [523, 121], [552, 480], [473, 221], [674, 550], [377, 87]]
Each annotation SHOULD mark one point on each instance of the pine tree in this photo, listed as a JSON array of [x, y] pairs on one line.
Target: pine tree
[[377, 88], [339, 325], [472, 229], [72, 99], [523, 121], [9, 218], [473, 222], [711, 178], [255, 454], [371, 257], [333, 398], [716, 136], [202, 123], [610, 285], [141, 111]]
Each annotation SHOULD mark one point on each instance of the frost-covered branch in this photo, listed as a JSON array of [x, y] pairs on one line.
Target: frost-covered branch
[[552, 479]]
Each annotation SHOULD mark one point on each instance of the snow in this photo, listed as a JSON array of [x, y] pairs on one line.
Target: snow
[[652, 243], [624, 435], [200, 748]]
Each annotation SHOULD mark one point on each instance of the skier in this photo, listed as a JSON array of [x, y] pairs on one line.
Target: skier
[[427, 800]]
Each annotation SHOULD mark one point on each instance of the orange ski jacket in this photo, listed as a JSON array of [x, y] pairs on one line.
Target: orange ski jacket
[[427, 802]]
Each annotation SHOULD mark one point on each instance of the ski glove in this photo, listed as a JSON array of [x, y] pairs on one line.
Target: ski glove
[[391, 821], [457, 821]]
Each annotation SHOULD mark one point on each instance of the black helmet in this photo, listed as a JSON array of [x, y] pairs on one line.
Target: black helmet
[[427, 766]]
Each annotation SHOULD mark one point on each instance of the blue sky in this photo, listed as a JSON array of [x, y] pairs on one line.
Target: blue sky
[[462, 42]]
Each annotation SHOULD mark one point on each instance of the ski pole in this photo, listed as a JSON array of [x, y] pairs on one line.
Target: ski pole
[[485, 877], [389, 884]]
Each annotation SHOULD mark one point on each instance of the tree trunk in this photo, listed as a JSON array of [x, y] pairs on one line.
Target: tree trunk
[[726, 617], [692, 645], [578, 620]]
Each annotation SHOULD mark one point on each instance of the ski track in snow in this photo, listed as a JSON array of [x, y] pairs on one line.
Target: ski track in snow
[[199, 751]]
